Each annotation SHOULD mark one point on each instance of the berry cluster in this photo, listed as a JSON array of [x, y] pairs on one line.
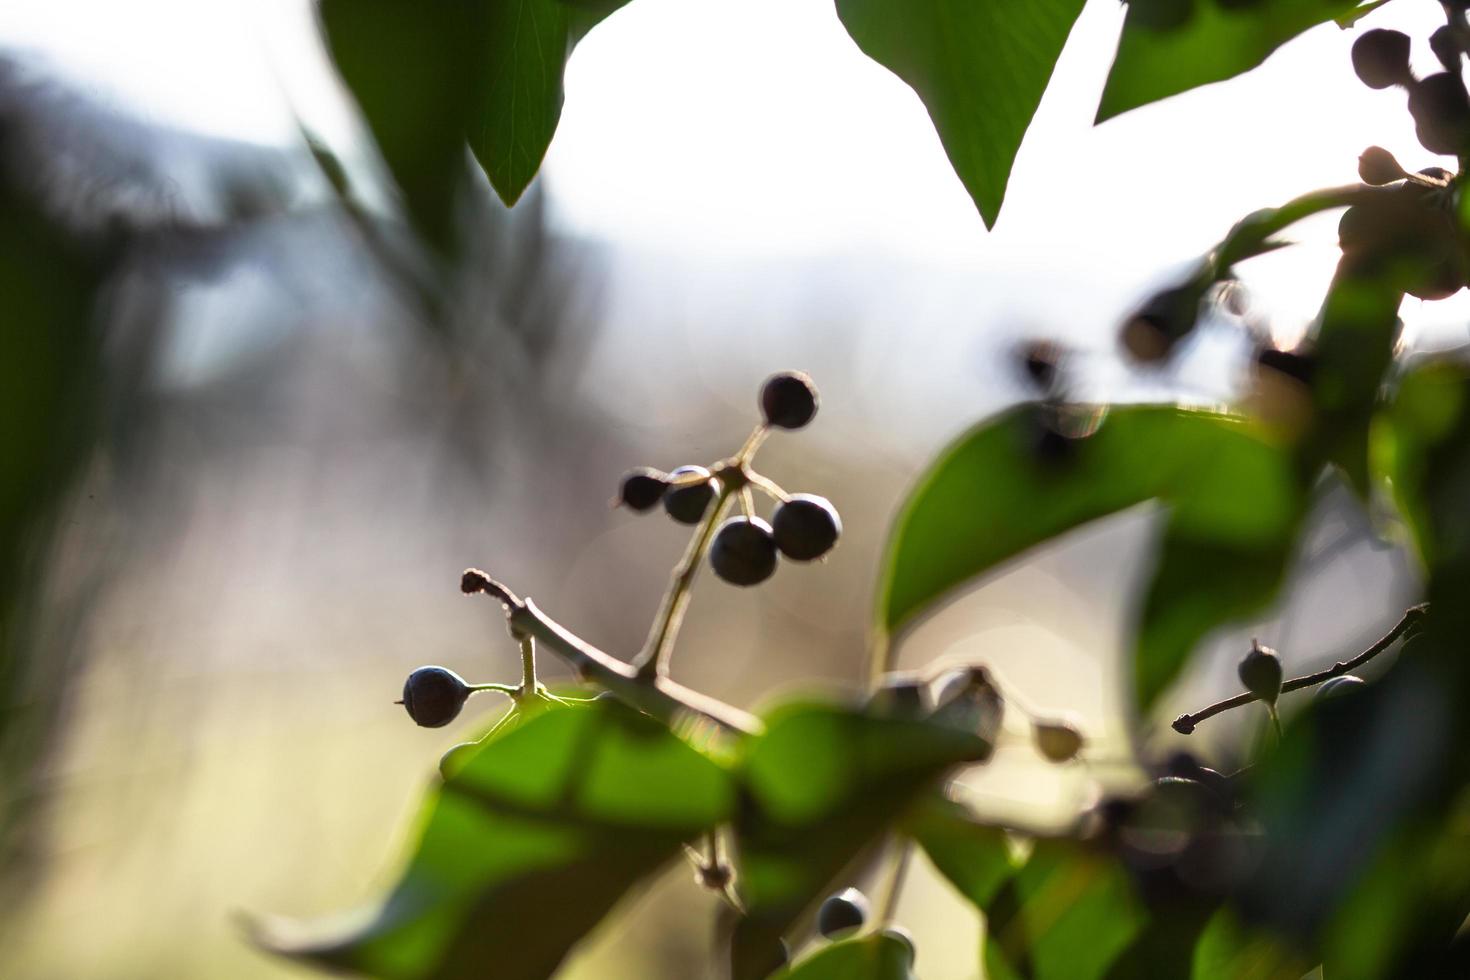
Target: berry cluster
[[744, 549]]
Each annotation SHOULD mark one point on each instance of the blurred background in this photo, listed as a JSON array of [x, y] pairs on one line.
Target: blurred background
[[247, 444]]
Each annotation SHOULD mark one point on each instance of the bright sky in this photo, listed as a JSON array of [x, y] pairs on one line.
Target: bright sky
[[755, 128]]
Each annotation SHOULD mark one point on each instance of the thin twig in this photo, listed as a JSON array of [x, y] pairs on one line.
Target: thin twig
[[663, 699], [1185, 723], [653, 661], [898, 870]]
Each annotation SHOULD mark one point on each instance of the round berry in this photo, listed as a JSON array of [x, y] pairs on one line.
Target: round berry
[[1381, 58], [904, 938], [1442, 42], [1058, 741], [1260, 672], [433, 696], [1377, 166], [642, 488], [901, 696], [685, 499], [1339, 686], [789, 400], [1441, 112], [744, 551], [806, 526], [842, 913], [1041, 361], [1299, 366]]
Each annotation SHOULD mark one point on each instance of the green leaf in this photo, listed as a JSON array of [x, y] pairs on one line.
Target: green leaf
[[979, 67], [526, 848], [530, 42], [428, 77], [873, 957], [1213, 44], [1422, 445], [1066, 915], [992, 495], [1228, 950], [977, 859], [819, 786]]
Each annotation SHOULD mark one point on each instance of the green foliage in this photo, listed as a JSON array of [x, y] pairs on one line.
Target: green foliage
[[976, 858], [820, 786], [1233, 495], [979, 67], [871, 957], [527, 847], [1214, 41]]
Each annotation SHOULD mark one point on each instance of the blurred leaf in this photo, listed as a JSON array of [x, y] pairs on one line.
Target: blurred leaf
[[526, 848], [1210, 44], [428, 77], [979, 67], [977, 859], [997, 492], [1066, 915], [1227, 950], [872, 957], [820, 785], [1423, 447]]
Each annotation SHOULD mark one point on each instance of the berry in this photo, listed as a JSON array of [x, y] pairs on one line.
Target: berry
[[1442, 42], [642, 488], [1339, 686], [901, 696], [1377, 166], [1260, 672], [1295, 365], [686, 502], [789, 400], [806, 526], [842, 913], [901, 935], [1162, 321], [1381, 58], [433, 696], [1441, 112], [1041, 361], [744, 551], [1058, 741]]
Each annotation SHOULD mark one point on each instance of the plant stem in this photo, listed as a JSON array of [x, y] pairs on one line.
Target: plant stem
[[511, 689], [528, 666], [897, 870], [1185, 723], [662, 699], [654, 660]]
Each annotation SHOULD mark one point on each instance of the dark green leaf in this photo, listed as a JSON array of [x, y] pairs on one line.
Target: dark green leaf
[[979, 67], [1212, 44], [977, 859], [1227, 950], [872, 957], [819, 786], [530, 41], [526, 848], [996, 492], [428, 77], [1066, 915]]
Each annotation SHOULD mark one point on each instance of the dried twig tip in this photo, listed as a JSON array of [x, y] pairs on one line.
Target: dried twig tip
[[473, 580]]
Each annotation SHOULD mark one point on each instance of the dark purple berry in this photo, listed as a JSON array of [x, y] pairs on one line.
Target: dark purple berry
[[1381, 58], [686, 500], [1377, 166], [1441, 111], [433, 696], [788, 400], [642, 488], [744, 551], [842, 913], [1260, 672], [806, 526]]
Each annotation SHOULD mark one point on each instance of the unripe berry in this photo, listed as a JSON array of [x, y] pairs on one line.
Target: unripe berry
[[433, 696], [842, 913], [1260, 672], [788, 400], [806, 526], [642, 488], [1381, 58], [744, 551], [1377, 166], [1339, 686], [1441, 111], [1057, 740], [686, 502]]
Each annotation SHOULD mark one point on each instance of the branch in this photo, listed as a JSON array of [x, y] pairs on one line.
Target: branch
[[658, 696], [1184, 724]]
